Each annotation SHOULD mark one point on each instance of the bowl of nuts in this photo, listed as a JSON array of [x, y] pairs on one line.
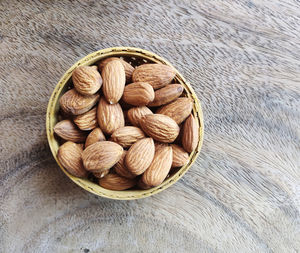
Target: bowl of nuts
[[123, 123]]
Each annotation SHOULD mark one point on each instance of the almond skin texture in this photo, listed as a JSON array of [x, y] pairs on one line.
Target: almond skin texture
[[110, 117], [135, 114], [116, 183], [159, 168], [121, 169], [127, 67], [190, 136], [94, 136], [178, 110], [160, 127], [138, 94], [101, 174], [113, 75], [180, 156], [157, 75], [67, 130], [127, 135], [88, 120], [101, 156], [167, 94], [69, 155], [86, 80], [74, 103], [140, 156]]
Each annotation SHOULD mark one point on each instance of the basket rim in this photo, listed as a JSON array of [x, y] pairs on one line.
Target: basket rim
[[95, 57]]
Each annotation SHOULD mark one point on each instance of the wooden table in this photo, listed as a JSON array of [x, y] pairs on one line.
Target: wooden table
[[243, 193]]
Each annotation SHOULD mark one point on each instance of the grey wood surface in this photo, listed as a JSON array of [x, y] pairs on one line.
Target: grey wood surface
[[243, 193]]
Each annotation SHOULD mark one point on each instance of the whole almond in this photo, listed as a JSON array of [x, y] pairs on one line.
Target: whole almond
[[127, 67], [116, 183], [180, 156], [138, 94], [113, 75], [178, 110], [135, 114], [127, 135], [101, 156], [160, 127], [74, 103], [167, 94], [69, 155], [110, 117], [159, 168], [190, 135], [140, 156], [88, 120], [94, 136], [101, 174], [120, 167], [67, 130], [157, 75], [86, 80]]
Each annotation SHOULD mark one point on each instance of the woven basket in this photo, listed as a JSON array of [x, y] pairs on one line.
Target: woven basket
[[135, 56]]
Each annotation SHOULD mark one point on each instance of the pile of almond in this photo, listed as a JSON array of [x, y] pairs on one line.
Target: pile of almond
[[128, 127]]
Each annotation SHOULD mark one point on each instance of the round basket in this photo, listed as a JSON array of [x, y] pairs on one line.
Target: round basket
[[135, 56]]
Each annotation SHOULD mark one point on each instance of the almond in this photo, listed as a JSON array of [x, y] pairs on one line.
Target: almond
[[159, 168], [138, 94], [86, 80], [135, 114], [121, 169], [67, 130], [88, 120], [178, 110], [180, 156], [69, 155], [142, 185], [167, 94], [160, 127], [116, 183], [101, 174], [94, 136], [101, 156], [140, 156], [190, 135], [113, 75], [74, 103], [110, 117], [126, 136], [157, 75], [127, 67]]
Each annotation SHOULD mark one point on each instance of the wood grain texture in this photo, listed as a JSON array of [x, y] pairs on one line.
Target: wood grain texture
[[243, 193]]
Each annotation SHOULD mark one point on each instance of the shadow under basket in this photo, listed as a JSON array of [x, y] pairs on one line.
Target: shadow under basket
[[135, 56]]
